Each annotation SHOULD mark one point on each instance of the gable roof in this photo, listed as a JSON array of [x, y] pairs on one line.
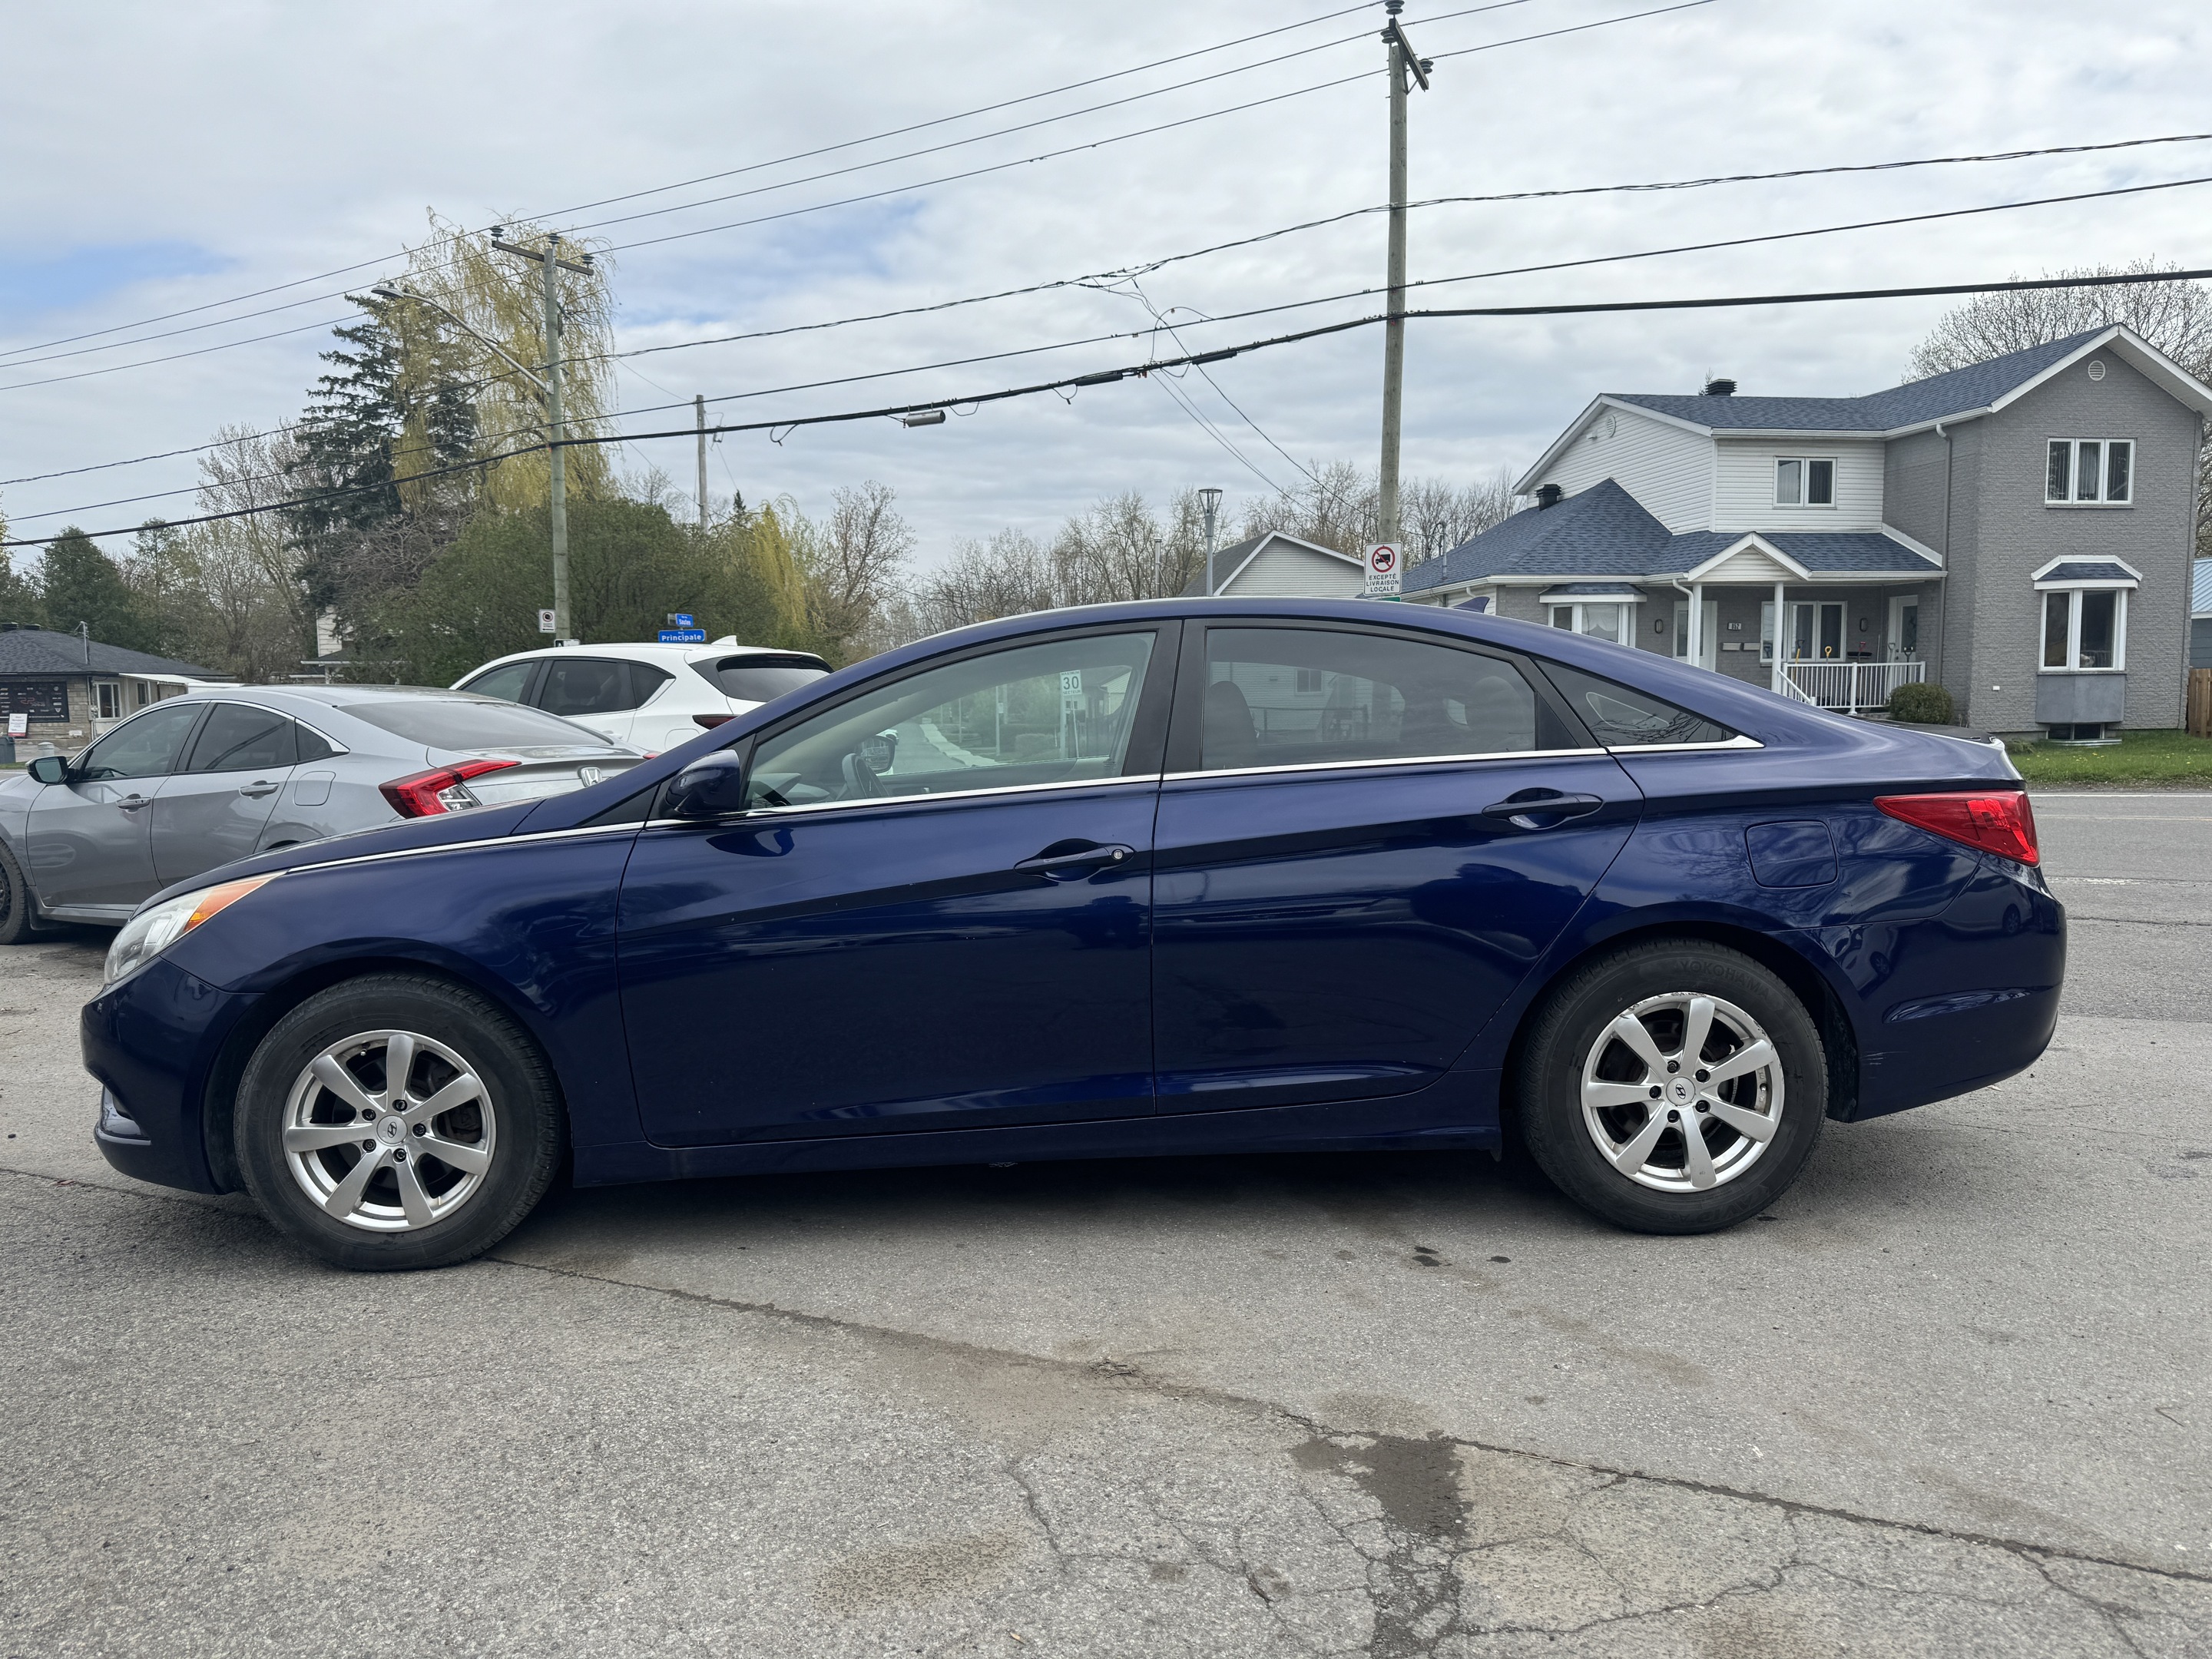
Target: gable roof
[[1977, 389], [1229, 561], [1605, 532], [42, 651]]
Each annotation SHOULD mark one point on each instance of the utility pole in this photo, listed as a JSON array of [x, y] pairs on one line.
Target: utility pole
[[550, 261], [1211, 499], [699, 409], [1404, 67]]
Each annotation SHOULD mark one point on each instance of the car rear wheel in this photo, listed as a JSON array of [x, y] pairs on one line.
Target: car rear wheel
[[397, 1122], [1675, 1087]]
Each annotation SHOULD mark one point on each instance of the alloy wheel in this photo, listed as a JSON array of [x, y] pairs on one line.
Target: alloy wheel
[[389, 1131], [1682, 1092]]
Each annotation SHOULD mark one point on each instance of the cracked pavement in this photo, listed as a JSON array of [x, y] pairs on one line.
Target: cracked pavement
[[1950, 1399]]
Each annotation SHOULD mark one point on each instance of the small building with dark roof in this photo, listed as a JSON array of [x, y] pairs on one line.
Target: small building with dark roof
[[59, 691], [2019, 531], [1276, 566]]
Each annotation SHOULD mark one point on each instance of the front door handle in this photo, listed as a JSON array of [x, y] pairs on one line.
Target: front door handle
[[1050, 863], [132, 802], [258, 788], [1541, 808]]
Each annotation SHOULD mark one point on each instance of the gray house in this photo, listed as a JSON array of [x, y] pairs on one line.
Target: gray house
[[64, 691], [2019, 531]]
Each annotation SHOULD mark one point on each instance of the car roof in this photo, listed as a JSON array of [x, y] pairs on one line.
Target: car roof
[[650, 650]]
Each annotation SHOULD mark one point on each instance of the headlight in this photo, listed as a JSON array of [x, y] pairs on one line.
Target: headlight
[[149, 933]]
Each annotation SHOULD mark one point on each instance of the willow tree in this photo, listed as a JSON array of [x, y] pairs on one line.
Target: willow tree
[[461, 278]]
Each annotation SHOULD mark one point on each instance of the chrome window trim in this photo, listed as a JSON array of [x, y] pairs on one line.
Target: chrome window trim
[[1739, 741], [894, 800], [1371, 765]]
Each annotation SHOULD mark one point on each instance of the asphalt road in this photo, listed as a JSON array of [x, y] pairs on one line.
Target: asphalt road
[[1951, 1399]]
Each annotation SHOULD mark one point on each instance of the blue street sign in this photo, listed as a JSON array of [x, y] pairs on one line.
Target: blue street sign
[[684, 636], [680, 619]]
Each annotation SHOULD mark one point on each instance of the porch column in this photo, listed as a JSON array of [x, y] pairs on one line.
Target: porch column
[[1775, 684], [1697, 624]]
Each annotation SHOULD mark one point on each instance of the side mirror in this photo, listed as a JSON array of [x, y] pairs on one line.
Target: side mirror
[[713, 787], [49, 769]]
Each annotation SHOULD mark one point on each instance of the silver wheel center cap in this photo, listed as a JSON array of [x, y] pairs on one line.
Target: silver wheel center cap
[[1680, 1091], [391, 1131]]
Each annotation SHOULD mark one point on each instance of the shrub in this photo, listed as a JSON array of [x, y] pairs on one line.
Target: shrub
[[1923, 703]]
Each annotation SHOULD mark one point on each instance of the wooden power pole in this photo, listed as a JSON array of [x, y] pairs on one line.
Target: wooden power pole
[[1404, 68]]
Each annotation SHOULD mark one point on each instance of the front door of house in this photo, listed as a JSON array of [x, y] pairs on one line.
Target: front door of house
[[1903, 636]]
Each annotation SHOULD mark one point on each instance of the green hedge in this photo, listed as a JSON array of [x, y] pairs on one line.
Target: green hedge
[[1923, 703]]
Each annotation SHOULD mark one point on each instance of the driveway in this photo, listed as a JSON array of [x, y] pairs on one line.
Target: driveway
[[1948, 1397]]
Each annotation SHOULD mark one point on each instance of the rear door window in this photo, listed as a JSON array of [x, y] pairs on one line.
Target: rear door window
[[1304, 696], [461, 722], [240, 737], [585, 685], [758, 679], [644, 680]]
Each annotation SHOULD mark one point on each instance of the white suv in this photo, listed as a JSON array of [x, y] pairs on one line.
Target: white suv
[[650, 697]]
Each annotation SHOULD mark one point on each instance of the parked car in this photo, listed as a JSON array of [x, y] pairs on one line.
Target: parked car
[[196, 781], [1178, 877], [651, 696]]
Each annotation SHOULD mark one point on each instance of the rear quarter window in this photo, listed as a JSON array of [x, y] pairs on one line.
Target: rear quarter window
[[471, 723], [1620, 717]]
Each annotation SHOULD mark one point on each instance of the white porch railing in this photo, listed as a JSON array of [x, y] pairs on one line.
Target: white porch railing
[[1849, 685]]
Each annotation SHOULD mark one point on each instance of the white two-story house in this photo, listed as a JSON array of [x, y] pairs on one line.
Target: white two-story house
[[2019, 531]]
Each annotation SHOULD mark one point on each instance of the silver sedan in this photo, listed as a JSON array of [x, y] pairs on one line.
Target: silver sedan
[[198, 780]]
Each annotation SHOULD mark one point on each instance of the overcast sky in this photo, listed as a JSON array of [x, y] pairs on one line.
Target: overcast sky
[[154, 158]]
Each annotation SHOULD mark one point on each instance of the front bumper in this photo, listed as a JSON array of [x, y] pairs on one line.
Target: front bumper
[[153, 1042]]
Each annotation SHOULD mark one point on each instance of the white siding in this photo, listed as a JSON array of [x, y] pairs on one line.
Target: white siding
[[1743, 488], [1749, 566], [1668, 471], [1283, 570]]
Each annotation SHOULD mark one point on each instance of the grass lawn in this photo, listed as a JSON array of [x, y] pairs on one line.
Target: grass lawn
[[2171, 759]]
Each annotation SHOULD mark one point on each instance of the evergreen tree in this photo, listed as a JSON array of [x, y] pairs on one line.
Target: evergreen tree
[[79, 585]]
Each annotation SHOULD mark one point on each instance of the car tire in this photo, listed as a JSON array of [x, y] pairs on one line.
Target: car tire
[[1608, 1115], [456, 1158], [18, 918]]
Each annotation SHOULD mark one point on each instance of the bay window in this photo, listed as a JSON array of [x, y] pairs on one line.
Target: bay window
[[2083, 615], [2078, 469]]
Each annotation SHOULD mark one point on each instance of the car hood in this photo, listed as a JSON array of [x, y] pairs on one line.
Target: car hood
[[410, 835]]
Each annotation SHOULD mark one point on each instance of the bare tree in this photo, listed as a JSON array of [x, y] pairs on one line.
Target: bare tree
[[1120, 549], [1007, 576], [1436, 517], [1340, 506], [851, 561], [250, 561], [2175, 317]]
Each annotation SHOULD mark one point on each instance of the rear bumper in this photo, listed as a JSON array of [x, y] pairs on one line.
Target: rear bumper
[[1955, 1002], [152, 1041]]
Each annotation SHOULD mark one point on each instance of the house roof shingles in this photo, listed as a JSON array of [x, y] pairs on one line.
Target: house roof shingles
[[1605, 532], [43, 652], [1915, 403]]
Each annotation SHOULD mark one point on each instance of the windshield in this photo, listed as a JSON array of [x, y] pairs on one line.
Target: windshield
[[472, 723], [757, 679]]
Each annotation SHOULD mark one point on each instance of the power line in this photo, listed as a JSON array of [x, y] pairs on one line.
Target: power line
[[1610, 259], [1139, 371], [893, 132]]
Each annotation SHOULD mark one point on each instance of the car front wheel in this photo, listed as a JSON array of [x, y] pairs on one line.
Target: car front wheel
[[397, 1122], [1675, 1087]]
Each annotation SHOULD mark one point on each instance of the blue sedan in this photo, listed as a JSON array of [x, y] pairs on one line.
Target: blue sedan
[[1180, 877]]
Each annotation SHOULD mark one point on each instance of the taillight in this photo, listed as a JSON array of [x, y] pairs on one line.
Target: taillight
[[426, 794], [710, 721], [1995, 821]]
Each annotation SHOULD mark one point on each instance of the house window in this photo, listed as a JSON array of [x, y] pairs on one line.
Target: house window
[[2090, 469], [1600, 620], [2084, 629], [1802, 481], [109, 693]]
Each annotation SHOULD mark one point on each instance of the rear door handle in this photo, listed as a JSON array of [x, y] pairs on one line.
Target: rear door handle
[[1053, 864], [258, 788], [1532, 809]]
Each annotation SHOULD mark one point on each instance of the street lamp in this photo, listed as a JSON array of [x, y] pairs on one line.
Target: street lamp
[[1211, 501]]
